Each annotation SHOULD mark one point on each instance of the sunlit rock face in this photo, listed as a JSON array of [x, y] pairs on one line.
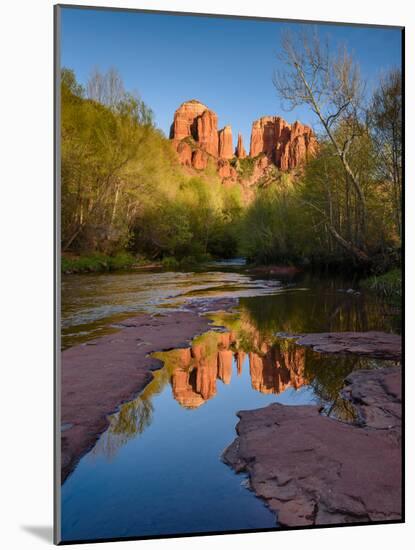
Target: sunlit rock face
[[225, 170], [196, 138], [225, 143], [240, 150], [200, 159], [286, 145], [207, 132], [274, 142], [185, 153], [195, 121], [185, 120]]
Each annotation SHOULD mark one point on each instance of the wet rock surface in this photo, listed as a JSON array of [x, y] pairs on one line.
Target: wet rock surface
[[371, 344], [315, 470], [100, 375]]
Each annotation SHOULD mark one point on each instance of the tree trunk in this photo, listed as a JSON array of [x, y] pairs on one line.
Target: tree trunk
[[357, 253]]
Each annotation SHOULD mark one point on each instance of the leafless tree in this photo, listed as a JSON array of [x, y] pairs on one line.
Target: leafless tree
[[331, 87], [106, 88], [385, 120]]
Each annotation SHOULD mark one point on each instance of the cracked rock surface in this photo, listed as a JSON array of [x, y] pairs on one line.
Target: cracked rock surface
[[315, 470]]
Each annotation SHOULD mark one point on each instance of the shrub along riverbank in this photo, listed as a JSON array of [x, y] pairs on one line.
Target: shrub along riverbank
[[97, 262], [389, 284]]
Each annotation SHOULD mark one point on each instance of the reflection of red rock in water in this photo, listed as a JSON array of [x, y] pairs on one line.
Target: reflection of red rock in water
[[240, 358], [225, 365], [272, 370], [183, 391], [275, 371], [206, 374], [273, 142]]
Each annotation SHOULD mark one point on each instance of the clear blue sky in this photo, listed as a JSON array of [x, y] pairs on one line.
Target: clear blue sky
[[225, 63]]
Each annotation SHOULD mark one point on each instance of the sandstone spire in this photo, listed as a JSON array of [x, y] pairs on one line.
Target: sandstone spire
[[225, 143], [240, 151]]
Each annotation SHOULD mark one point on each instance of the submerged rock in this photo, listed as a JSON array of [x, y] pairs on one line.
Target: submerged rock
[[314, 470]]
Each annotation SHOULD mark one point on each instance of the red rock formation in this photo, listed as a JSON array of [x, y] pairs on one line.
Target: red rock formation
[[287, 146], [225, 365], [276, 370], [207, 132], [240, 358], [226, 171], [185, 153], [183, 391], [184, 119], [199, 159], [225, 143], [240, 150], [273, 141]]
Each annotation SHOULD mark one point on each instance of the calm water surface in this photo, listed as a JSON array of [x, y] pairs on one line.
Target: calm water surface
[[157, 469]]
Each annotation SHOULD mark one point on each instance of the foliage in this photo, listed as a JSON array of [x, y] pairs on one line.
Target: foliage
[[389, 284], [244, 166], [124, 190], [122, 186], [271, 231], [97, 262], [313, 217]]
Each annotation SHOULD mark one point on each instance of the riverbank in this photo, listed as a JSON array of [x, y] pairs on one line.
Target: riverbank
[[100, 375], [389, 284], [97, 262], [360, 462]]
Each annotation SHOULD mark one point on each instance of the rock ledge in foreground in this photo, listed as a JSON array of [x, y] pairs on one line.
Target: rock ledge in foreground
[[314, 470]]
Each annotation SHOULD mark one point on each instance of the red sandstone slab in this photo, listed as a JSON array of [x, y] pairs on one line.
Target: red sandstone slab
[[314, 470]]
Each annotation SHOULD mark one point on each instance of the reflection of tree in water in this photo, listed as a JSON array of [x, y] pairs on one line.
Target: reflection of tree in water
[[324, 308], [327, 374], [275, 364], [132, 418]]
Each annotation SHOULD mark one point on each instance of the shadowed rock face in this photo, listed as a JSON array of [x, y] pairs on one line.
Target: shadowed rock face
[[314, 470]]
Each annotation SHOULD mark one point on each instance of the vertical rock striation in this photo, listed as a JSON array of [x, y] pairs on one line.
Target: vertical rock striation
[[225, 143], [286, 145], [197, 140], [240, 150]]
